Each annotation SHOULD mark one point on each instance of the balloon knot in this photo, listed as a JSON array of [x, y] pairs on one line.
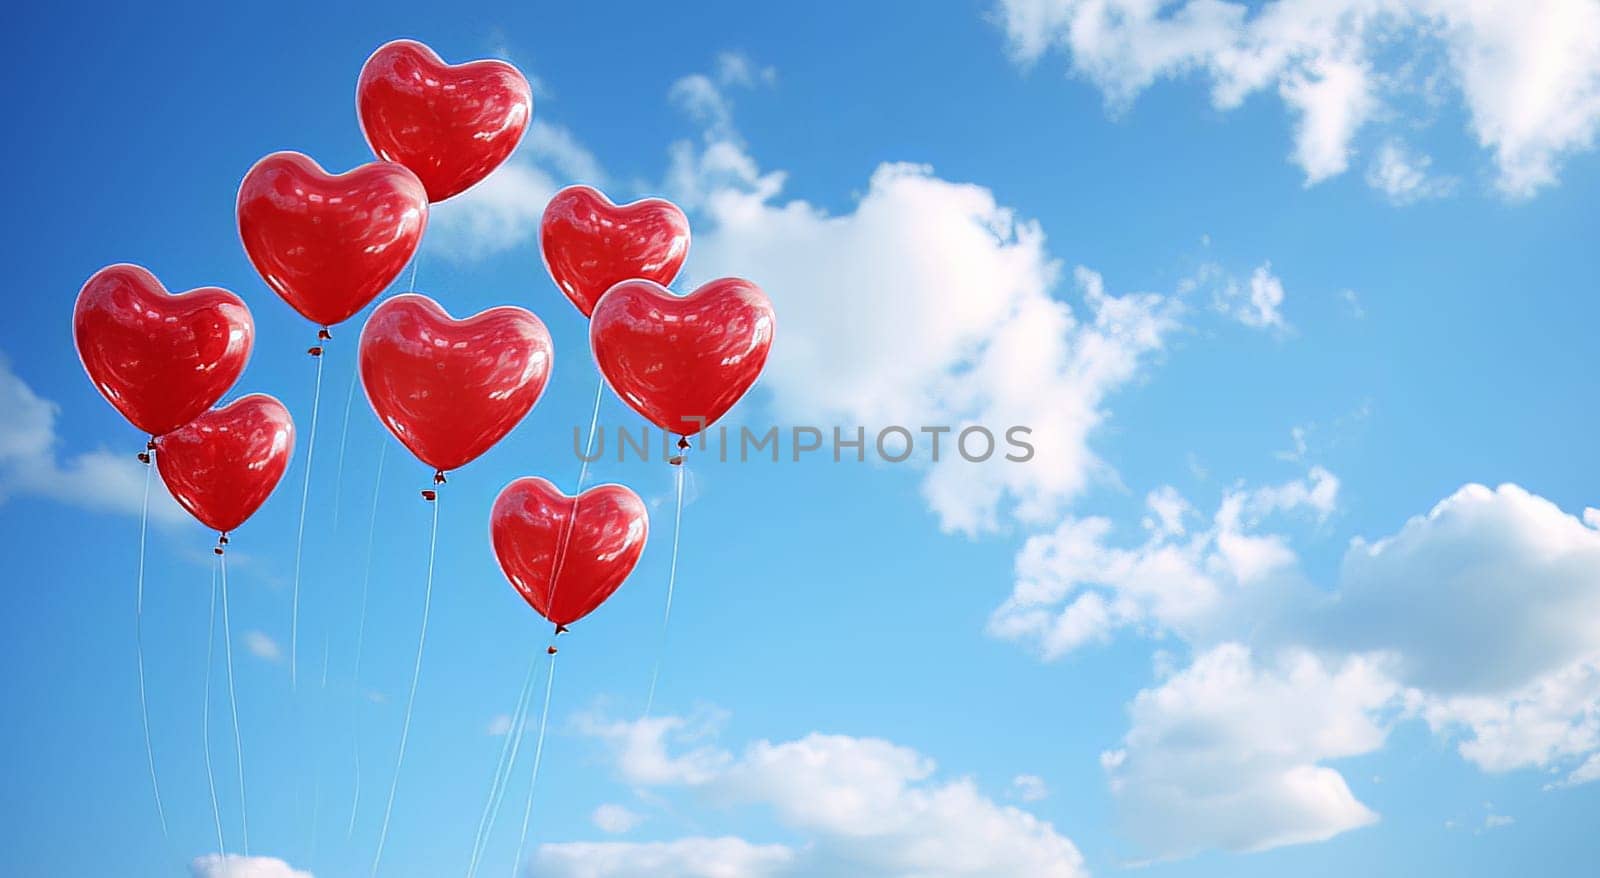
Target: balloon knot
[[315, 350], [676, 460], [562, 629], [217, 550], [222, 539], [438, 477], [683, 443], [150, 445], [550, 650], [323, 334], [144, 457], [430, 496]]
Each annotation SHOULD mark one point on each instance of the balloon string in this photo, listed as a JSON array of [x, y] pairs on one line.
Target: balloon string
[[411, 698], [300, 536], [672, 579], [502, 771], [233, 702], [501, 781], [205, 717], [538, 755], [344, 436], [138, 645], [361, 634]]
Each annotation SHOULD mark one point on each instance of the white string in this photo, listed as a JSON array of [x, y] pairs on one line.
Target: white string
[[502, 771], [538, 753], [594, 420], [205, 716], [411, 699], [138, 645], [344, 436], [361, 634], [233, 703], [300, 537], [672, 579]]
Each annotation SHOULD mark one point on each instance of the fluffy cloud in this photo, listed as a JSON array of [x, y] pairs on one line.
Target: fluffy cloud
[[1404, 176], [865, 805], [1228, 753], [1487, 592], [262, 646], [1073, 587], [953, 319], [97, 480], [1528, 71], [1481, 618], [614, 818], [235, 866], [683, 858]]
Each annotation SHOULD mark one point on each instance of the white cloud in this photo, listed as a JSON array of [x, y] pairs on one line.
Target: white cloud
[[865, 806], [1030, 788], [1481, 618], [953, 318], [99, 480], [1230, 752], [235, 866], [1488, 592], [1074, 588], [615, 818], [1258, 303], [502, 213], [1404, 176], [683, 858], [262, 646], [1528, 71], [499, 724]]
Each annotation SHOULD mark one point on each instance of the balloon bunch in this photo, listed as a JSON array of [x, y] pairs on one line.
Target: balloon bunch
[[447, 389]]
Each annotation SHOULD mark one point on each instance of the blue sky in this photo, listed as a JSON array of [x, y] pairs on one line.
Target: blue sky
[[1299, 299]]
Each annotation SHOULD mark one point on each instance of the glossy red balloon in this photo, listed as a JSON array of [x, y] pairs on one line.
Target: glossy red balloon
[[591, 245], [224, 464], [566, 555], [449, 389], [450, 124], [682, 361], [329, 244], [160, 359]]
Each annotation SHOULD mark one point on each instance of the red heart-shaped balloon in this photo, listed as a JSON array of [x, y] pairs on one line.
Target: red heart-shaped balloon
[[682, 361], [591, 245], [329, 243], [566, 555], [450, 124], [223, 465], [160, 359], [449, 389]]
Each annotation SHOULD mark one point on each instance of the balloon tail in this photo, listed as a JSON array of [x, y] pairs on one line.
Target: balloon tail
[[300, 533], [205, 716], [538, 754], [411, 698], [233, 700], [502, 772], [138, 645], [672, 580], [361, 634]]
